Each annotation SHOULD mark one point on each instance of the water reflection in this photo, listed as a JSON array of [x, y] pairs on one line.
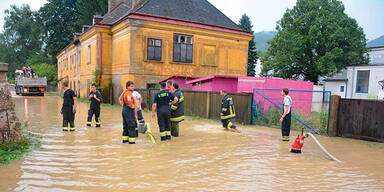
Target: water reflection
[[203, 158]]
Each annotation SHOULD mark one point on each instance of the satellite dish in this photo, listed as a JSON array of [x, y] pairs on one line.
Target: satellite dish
[[381, 83]]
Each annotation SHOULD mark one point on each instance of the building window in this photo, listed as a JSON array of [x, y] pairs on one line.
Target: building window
[[182, 48], [89, 54], [362, 83], [78, 88], [73, 61], [88, 85], [154, 49], [79, 58], [70, 62], [342, 88]]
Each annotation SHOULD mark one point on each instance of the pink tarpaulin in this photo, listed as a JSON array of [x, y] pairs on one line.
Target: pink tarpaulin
[[302, 100]]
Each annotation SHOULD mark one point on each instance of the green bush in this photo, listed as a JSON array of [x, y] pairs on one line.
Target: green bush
[[46, 70], [10, 78], [12, 151], [273, 116]]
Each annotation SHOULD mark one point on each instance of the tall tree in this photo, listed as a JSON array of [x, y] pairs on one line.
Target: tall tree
[[89, 8], [315, 38], [59, 19], [245, 24], [20, 38]]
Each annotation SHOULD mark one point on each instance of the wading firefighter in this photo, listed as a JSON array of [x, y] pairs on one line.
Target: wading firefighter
[[94, 109], [142, 127], [161, 105], [177, 110], [285, 119], [227, 111], [129, 113], [68, 109]]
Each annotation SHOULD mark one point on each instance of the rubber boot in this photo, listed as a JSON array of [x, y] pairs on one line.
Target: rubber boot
[[175, 129]]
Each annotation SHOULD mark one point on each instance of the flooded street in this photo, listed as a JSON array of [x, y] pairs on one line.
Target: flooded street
[[203, 158]]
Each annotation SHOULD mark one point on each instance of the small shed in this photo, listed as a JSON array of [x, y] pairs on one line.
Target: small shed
[[181, 80]]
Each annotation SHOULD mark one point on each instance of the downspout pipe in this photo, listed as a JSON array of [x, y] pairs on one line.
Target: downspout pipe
[[101, 57]]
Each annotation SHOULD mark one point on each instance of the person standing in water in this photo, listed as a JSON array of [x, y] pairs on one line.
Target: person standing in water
[[161, 104], [227, 111], [177, 110], [285, 119], [94, 108], [142, 128], [129, 113], [68, 109]]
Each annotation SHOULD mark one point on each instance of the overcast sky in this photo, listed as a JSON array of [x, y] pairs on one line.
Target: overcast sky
[[264, 13]]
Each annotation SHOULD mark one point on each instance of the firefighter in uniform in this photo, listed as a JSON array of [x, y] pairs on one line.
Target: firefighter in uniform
[[94, 109], [285, 119], [177, 110], [68, 109], [161, 105], [169, 86], [227, 111], [129, 105], [142, 127]]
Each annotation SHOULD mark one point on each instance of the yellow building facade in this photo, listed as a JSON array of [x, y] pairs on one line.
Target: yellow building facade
[[146, 49]]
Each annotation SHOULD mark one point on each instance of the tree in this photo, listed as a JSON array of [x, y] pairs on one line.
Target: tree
[[315, 38], [59, 19], [46, 70], [33, 38], [21, 37], [62, 18], [89, 8], [245, 24]]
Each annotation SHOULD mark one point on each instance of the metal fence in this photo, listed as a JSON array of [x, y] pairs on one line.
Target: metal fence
[[310, 109], [206, 104], [263, 107]]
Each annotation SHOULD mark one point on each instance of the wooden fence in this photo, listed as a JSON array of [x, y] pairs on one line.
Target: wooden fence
[[360, 119], [207, 104]]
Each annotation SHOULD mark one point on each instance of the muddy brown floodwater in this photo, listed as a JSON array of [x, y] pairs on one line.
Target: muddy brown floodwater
[[203, 158]]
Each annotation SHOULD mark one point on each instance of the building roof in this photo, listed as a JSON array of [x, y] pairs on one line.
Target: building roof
[[335, 79], [199, 11], [196, 11], [118, 13], [211, 77], [176, 76], [379, 42], [367, 65]]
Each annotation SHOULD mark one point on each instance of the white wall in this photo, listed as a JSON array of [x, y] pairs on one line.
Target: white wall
[[317, 98], [376, 56], [376, 74], [381, 94], [334, 87]]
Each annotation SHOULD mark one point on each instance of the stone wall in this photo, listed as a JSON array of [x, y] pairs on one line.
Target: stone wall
[[10, 127]]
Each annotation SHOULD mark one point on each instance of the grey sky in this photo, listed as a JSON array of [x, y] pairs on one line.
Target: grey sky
[[265, 13]]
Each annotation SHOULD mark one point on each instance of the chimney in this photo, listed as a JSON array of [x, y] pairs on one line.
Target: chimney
[[97, 19], [85, 28], [113, 3], [76, 35], [134, 2]]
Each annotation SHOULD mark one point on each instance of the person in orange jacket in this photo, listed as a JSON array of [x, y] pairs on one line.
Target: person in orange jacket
[[129, 113]]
